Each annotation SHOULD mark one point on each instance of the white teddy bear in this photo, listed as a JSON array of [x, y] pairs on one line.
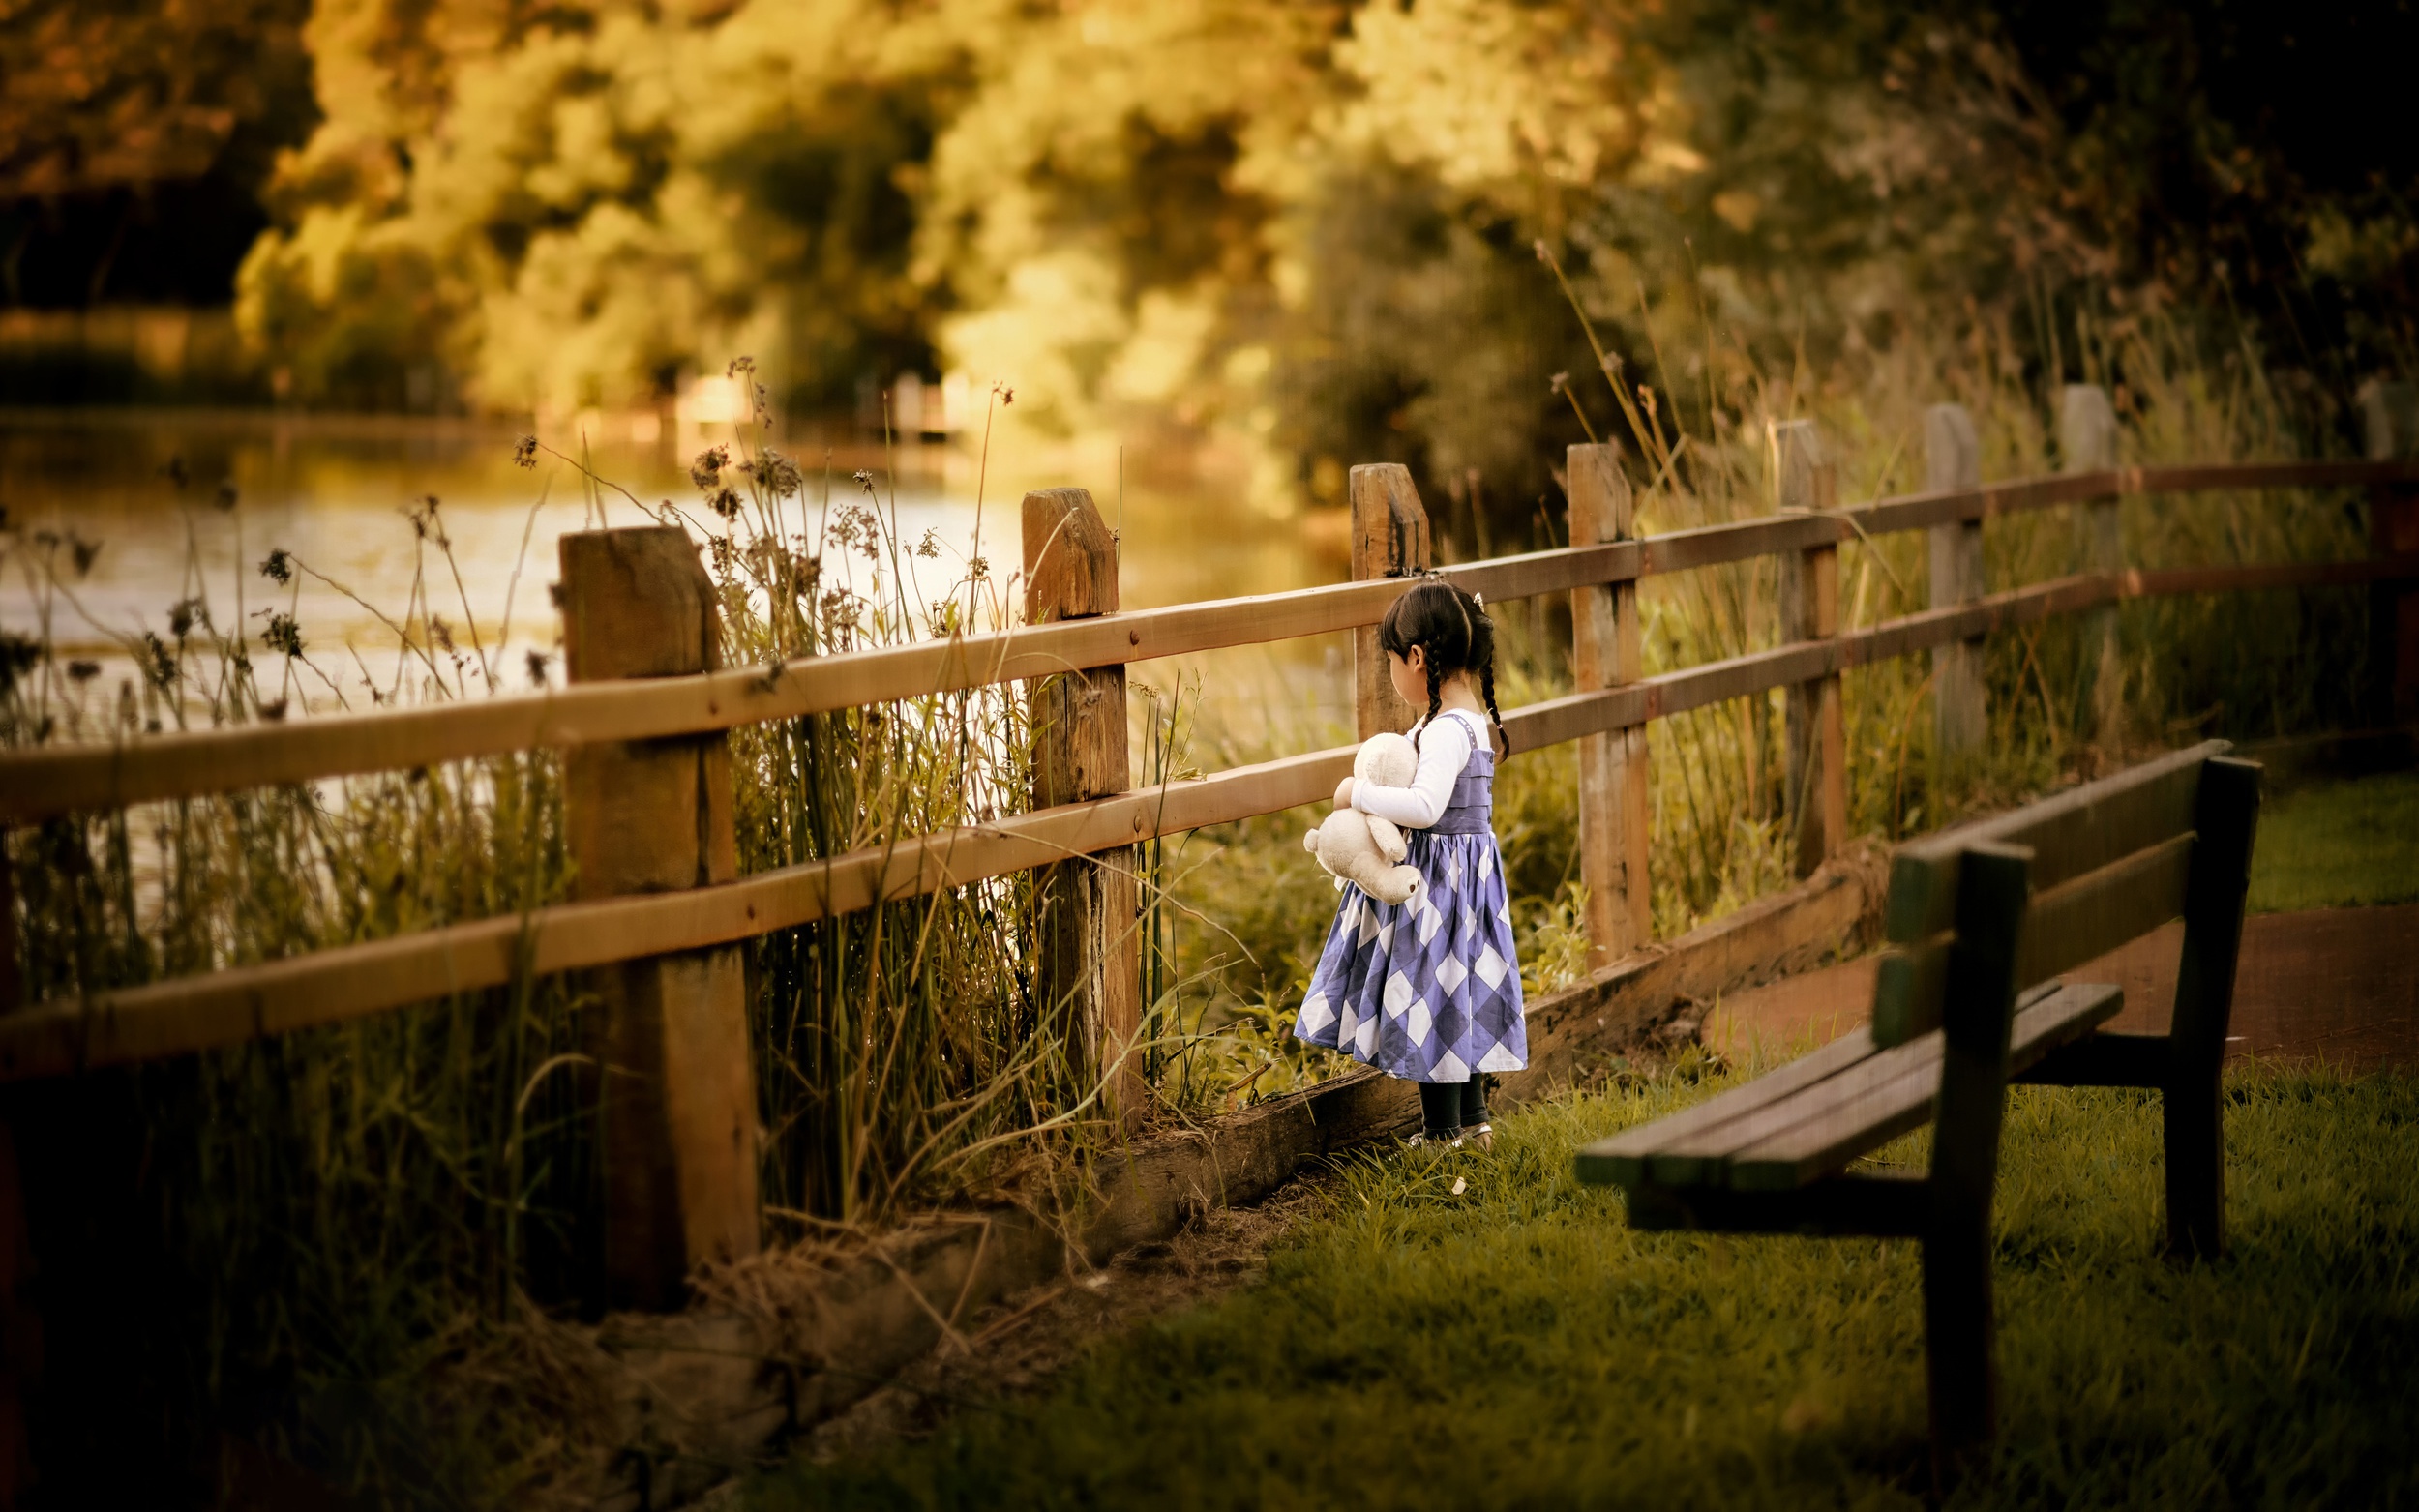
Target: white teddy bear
[[1363, 848]]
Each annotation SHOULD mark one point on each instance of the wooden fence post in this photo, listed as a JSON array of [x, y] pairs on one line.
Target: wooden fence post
[[1088, 961], [2390, 412], [2087, 442], [1953, 458], [1615, 800], [1816, 773], [679, 1113], [1390, 540]]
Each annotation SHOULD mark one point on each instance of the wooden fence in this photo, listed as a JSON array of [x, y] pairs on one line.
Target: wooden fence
[[661, 912]]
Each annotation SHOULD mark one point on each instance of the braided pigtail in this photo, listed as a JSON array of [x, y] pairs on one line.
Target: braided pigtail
[[1436, 694], [1486, 686]]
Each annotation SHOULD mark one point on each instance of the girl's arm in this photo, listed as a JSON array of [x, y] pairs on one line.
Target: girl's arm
[[1444, 750]]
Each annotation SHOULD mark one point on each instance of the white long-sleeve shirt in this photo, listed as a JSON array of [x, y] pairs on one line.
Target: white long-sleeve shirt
[[1445, 748]]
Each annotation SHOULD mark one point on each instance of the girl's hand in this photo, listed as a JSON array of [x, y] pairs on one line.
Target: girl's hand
[[1344, 793]]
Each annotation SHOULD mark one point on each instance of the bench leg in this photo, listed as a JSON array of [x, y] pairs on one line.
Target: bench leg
[[1958, 1345], [2225, 815], [2194, 1104]]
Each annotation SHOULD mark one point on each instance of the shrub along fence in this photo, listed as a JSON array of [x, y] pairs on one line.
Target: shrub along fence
[[660, 908]]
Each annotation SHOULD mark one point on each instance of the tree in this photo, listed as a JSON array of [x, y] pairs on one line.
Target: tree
[[134, 139]]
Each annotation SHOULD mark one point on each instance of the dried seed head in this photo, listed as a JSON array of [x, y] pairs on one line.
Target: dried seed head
[[158, 664], [19, 654], [778, 474], [285, 634], [277, 566], [526, 452]]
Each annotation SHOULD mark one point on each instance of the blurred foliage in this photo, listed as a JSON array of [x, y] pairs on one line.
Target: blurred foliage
[[1305, 228], [134, 140]]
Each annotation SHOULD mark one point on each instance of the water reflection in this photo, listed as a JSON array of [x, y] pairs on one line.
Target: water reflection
[[335, 492]]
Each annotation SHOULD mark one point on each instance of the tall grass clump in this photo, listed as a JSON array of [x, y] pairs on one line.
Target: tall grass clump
[[341, 1248], [906, 1053], [262, 1250], [1693, 430]]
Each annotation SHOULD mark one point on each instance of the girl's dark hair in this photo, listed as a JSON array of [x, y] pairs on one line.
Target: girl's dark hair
[[1452, 627]]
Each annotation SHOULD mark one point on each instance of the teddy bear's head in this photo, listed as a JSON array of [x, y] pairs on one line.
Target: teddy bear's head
[[1387, 759]]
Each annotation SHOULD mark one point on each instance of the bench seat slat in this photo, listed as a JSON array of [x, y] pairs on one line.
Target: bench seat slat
[[1621, 1160], [1835, 1133], [1698, 1159]]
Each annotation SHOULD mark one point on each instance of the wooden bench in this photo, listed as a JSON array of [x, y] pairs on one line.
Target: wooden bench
[[1981, 921]]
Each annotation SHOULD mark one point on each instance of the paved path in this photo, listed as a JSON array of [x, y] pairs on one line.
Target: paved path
[[2338, 984]]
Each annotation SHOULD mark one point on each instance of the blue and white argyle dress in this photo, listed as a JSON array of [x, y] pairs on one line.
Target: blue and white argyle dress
[[1429, 989]]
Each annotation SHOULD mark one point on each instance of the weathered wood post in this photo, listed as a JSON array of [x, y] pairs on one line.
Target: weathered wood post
[[1953, 458], [1390, 540], [2087, 442], [2390, 412], [1089, 959], [1615, 800], [678, 1111], [1816, 774]]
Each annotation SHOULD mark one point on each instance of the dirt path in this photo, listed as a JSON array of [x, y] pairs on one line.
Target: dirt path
[[2335, 984]]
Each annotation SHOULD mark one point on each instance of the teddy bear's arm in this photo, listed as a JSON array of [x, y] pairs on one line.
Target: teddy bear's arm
[[1388, 838]]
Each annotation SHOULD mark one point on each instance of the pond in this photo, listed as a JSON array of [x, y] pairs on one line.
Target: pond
[[186, 504]]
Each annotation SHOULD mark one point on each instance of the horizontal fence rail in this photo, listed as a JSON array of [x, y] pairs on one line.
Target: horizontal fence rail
[[42, 782], [227, 1007]]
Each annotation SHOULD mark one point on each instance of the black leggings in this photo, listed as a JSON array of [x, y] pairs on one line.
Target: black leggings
[[1448, 1107]]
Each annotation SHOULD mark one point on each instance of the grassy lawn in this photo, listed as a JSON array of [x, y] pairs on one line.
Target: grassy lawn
[[1516, 1345], [2339, 845]]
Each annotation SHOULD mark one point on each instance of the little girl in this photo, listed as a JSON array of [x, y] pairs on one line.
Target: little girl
[[1429, 989]]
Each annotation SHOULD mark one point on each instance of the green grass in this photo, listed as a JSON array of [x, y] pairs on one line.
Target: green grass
[[2341, 845], [1519, 1346]]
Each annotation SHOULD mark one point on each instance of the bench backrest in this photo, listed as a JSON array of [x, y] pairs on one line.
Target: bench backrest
[[2111, 860]]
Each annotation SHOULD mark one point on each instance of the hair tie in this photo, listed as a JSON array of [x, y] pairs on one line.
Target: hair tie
[[1479, 599]]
